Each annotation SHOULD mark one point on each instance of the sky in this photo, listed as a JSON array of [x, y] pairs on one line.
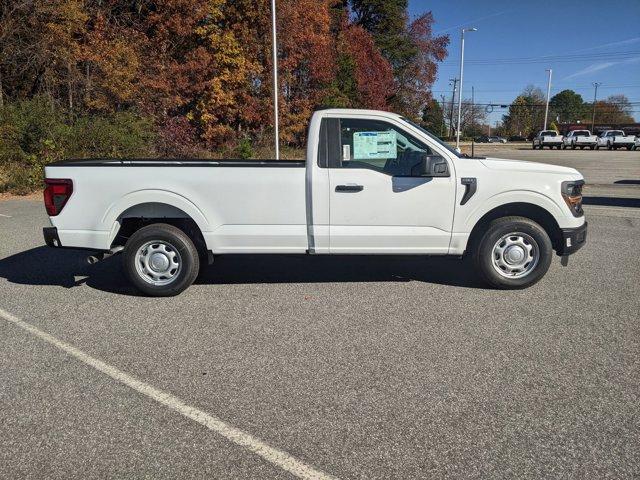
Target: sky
[[588, 41]]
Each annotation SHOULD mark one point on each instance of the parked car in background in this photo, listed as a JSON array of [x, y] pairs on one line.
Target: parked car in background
[[517, 138], [373, 183], [614, 139], [492, 139], [636, 143], [579, 139], [547, 138]]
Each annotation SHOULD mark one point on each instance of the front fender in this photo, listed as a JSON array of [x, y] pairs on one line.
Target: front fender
[[512, 196]]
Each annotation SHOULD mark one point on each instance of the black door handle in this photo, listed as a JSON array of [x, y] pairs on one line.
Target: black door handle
[[349, 188]]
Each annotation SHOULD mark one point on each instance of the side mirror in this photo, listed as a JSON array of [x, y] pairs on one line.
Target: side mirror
[[431, 166]]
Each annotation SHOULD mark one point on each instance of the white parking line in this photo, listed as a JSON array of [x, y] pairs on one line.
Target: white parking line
[[273, 455], [5, 216]]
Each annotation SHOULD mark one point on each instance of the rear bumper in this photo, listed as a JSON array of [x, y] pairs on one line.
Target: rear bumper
[[573, 239], [51, 237]]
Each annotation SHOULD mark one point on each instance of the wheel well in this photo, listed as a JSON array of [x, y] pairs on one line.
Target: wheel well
[[138, 216], [527, 210]]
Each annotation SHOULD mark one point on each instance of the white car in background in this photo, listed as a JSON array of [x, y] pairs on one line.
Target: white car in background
[[636, 143], [547, 138], [614, 139], [579, 139]]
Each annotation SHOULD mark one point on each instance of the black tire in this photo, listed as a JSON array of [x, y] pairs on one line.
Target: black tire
[[483, 252], [629, 148], [592, 147], [172, 240], [564, 147], [609, 146], [573, 146], [559, 147], [597, 146]]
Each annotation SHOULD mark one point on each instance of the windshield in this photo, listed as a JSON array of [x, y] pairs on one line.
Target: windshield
[[549, 133], [434, 138], [581, 133]]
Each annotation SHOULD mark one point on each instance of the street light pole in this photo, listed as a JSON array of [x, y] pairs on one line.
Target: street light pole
[[274, 37], [595, 97], [546, 110], [460, 88]]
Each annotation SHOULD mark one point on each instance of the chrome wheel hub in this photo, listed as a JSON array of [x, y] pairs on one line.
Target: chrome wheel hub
[[515, 255], [158, 263]]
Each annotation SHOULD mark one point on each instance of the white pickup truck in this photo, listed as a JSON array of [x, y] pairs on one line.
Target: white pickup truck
[[614, 139], [547, 138], [579, 139], [373, 183]]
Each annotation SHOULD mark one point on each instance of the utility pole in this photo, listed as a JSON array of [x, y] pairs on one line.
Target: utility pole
[[453, 99], [444, 109], [473, 29], [274, 37], [546, 110], [595, 97], [473, 108], [473, 120]]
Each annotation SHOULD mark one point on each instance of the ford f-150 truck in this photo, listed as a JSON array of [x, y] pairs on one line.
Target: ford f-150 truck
[[547, 138], [579, 139], [373, 183], [614, 139]]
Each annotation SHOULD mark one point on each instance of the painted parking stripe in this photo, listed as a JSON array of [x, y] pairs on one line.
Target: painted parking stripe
[[271, 454], [5, 216]]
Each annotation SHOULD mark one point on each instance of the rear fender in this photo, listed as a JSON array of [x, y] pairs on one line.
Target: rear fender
[[110, 220]]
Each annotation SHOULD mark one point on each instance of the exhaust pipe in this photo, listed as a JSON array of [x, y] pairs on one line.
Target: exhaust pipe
[[98, 257]]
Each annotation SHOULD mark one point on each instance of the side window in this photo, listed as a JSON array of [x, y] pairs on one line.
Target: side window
[[379, 146]]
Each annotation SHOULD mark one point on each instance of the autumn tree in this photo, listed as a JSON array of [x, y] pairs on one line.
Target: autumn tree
[[616, 109], [410, 48]]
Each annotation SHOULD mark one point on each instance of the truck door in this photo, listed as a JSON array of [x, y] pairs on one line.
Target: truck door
[[379, 202]]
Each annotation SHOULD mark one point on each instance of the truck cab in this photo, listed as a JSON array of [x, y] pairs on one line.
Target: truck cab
[[372, 183]]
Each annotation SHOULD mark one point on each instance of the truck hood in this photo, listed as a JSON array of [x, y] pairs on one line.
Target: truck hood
[[532, 167]]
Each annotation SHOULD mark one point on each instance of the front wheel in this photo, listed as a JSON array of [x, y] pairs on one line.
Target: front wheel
[[514, 252], [161, 260]]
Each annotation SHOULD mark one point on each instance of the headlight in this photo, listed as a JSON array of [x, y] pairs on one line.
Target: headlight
[[572, 194]]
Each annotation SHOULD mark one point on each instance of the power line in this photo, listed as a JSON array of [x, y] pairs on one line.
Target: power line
[[550, 58]]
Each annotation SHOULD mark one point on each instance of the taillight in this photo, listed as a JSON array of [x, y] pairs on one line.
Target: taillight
[[56, 194]]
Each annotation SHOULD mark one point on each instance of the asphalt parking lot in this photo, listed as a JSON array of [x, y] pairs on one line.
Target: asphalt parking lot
[[348, 367]]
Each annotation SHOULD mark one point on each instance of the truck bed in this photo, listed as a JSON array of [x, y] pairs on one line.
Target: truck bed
[[239, 205]]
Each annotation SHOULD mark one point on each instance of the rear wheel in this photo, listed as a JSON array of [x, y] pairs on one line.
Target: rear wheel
[[514, 252], [592, 147], [161, 260]]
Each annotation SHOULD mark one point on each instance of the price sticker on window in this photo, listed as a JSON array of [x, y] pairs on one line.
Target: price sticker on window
[[375, 145]]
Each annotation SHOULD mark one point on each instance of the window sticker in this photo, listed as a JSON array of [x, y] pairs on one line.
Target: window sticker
[[375, 145]]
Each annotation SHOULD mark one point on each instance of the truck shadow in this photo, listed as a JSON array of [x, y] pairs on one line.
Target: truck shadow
[[68, 269]]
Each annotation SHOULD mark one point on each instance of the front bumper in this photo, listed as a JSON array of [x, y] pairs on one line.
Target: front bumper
[[573, 239], [51, 237]]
